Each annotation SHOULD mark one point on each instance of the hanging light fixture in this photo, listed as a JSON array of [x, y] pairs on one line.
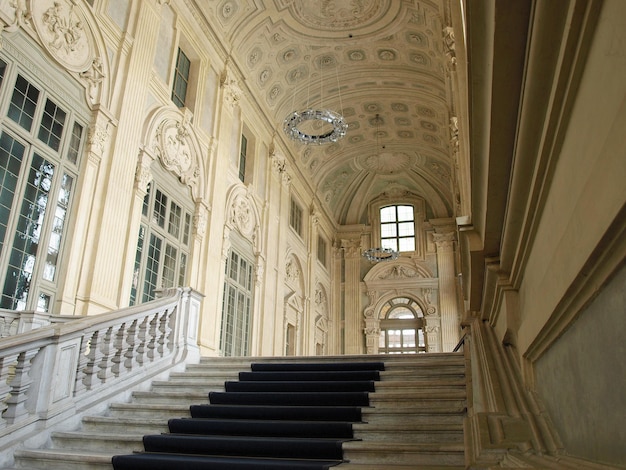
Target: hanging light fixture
[[332, 123], [376, 255]]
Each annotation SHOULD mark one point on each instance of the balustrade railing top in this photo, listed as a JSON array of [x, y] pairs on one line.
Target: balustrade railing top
[[52, 371]]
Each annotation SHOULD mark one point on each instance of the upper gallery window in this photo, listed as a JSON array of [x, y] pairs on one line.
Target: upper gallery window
[[397, 227], [181, 79], [295, 217], [243, 155], [321, 250]]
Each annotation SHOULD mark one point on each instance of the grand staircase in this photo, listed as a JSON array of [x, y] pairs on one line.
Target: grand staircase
[[350, 413]]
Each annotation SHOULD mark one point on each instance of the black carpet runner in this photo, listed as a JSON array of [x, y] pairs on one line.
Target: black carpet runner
[[279, 415]]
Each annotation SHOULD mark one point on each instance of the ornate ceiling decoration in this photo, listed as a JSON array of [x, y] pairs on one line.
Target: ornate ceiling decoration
[[361, 58]]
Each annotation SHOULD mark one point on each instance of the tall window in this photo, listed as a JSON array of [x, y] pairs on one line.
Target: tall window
[[397, 228], [41, 141], [321, 250], [295, 217], [163, 244], [237, 306], [181, 79], [402, 327], [243, 153]]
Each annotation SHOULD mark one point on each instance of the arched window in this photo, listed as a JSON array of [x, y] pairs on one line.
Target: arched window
[[402, 327], [397, 227]]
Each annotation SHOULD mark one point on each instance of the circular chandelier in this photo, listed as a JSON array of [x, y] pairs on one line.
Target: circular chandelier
[[377, 255], [337, 131]]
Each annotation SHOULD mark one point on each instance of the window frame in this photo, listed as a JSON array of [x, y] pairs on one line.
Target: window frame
[[296, 217], [64, 150], [419, 211], [179, 77], [158, 224]]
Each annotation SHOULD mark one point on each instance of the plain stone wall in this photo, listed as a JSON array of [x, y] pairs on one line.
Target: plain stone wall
[[582, 378]]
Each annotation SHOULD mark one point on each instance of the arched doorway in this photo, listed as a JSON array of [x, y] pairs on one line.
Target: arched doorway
[[401, 327]]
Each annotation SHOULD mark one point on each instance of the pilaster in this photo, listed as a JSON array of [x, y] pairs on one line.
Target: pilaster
[[352, 296], [450, 323]]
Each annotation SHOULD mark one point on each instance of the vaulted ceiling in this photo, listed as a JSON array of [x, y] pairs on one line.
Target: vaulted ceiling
[[382, 64]]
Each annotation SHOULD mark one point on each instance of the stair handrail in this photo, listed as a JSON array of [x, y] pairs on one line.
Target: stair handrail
[[52, 373]]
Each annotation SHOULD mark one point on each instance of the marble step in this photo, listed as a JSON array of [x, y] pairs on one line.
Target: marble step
[[63, 459], [402, 453], [124, 425], [97, 442]]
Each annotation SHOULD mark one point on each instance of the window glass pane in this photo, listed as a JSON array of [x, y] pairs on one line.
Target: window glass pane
[[388, 214], [182, 270], [43, 302], [138, 256], [405, 213], [75, 141], [181, 79], [146, 201], [388, 230], [23, 103], [173, 226], [401, 313], [391, 243], [169, 275], [58, 228], [242, 158], [234, 265], [187, 229], [408, 338], [160, 208], [407, 244], [28, 233], [3, 68], [11, 154], [406, 229], [51, 127], [152, 268]]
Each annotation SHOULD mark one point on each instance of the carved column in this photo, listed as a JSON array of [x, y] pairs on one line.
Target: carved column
[[352, 296], [372, 325], [450, 325]]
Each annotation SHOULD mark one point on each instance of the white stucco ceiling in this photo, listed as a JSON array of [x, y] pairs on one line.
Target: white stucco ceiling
[[359, 58]]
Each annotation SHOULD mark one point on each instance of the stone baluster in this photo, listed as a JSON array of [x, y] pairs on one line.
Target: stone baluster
[[106, 357], [6, 366], [94, 356], [165, 331], [83, 359], [20, 384], [152, 335], [161, 319], [142, 338], [119, 346], [131, 345]]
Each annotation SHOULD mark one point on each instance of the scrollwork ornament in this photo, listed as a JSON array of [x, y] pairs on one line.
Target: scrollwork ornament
[[143, 176], [200, 220]]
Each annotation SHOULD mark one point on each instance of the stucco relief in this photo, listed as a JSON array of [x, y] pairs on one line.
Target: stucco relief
[[175, 149], [292, 271], [387, 162], [242, 216], [339, 14], [64, 33]]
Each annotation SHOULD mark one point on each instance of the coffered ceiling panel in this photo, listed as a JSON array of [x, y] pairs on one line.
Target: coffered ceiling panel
[[381, 64]]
